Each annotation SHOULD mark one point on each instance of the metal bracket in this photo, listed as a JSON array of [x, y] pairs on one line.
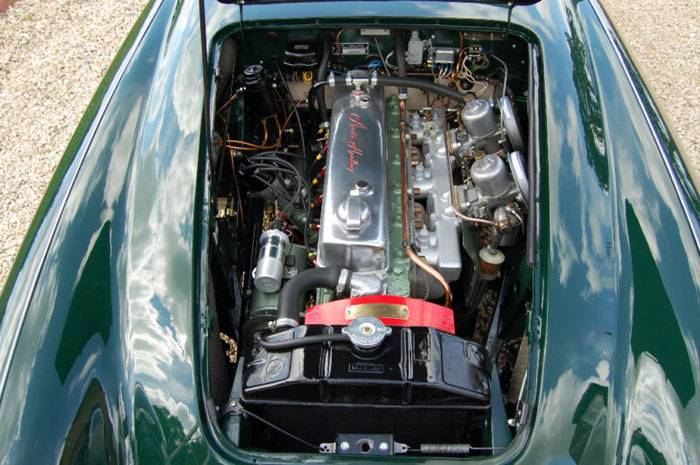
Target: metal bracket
[[231, 408], [364, 444], [342, 284]]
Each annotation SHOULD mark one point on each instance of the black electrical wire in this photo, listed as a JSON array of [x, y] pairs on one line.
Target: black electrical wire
[[279, 153], [279, 192], [276, 153], [273, 158], [301, 182], [300, 341], [272, 162], [276, 170], [296, 113], [290, 201], [321, 75]]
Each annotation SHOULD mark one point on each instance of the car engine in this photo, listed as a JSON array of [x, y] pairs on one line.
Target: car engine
[[369, 257]]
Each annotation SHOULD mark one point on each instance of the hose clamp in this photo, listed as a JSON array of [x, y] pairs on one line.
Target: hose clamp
[[343, 281], [286, 323]]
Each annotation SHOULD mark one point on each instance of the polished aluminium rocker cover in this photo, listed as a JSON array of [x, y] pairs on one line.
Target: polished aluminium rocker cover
[[354, 218]]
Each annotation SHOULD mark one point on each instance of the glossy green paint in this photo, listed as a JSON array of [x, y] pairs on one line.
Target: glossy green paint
[[108, 366], [399, 277], [103, 367], [84, 125]]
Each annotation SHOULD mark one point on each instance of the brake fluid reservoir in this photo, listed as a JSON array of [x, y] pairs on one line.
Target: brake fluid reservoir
[[268, 271]]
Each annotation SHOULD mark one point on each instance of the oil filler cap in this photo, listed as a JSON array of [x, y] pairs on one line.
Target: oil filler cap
[[366, 332]]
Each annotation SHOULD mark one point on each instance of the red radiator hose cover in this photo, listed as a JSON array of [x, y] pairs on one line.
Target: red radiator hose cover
[[390, 309]]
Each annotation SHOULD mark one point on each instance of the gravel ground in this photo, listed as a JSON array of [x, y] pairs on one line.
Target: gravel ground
[[663, 38], [54, 54], [52, 58]]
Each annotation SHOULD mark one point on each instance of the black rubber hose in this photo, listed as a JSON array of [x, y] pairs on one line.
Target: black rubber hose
[[428, 86], [301, 283], [401, 57], [321, 75], [301, 341], [424, 286]]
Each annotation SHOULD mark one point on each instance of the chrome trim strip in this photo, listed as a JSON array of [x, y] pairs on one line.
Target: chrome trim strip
[[533, 157]]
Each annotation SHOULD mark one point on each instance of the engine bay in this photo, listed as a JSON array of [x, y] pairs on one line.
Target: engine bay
[[370, 284]]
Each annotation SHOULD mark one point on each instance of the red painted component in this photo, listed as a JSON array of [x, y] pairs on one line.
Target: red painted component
[[420, 312]]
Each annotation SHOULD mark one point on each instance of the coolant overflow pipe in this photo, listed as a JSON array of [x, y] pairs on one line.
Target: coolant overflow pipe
[[288, 313], [321, 75]]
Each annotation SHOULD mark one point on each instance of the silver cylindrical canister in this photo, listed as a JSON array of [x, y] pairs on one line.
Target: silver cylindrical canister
[[490, 175], [479, 118], [268, 271]]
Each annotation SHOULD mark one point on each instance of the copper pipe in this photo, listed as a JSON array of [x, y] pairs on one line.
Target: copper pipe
[[228, 102], [279, 133], [404, 217], [282, 105], [264, 123], [337, 42], [453, 192], [432, 272], [243, 145]]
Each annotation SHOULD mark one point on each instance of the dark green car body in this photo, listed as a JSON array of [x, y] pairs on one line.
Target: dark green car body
[[104, 315]]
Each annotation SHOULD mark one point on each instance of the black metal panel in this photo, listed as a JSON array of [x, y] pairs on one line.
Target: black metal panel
[[417, 377], [413, 366]]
